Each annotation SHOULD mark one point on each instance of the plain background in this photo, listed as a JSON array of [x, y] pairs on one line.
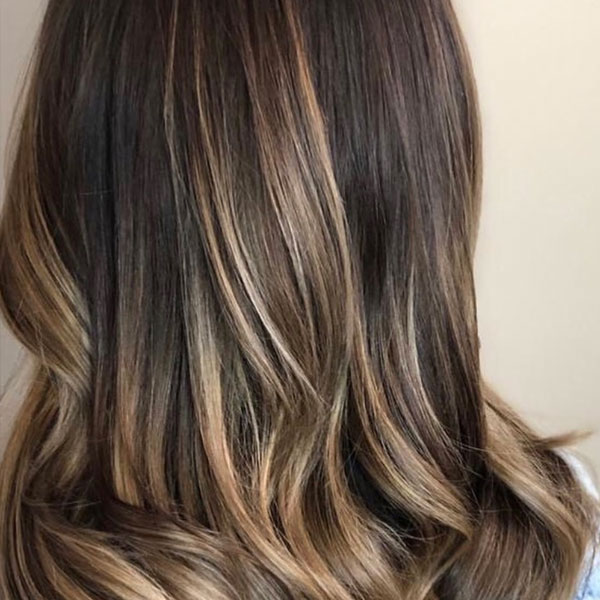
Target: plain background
[[538, 263]]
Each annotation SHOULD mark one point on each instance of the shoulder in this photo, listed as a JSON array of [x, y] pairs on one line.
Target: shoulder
[[590, 585]]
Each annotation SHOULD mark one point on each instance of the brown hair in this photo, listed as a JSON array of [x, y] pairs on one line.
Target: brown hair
[[238, 240]]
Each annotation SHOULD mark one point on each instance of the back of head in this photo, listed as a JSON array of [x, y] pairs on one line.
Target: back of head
[[238, 240]]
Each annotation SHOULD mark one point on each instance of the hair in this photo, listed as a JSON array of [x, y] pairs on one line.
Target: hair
[[238, 241]]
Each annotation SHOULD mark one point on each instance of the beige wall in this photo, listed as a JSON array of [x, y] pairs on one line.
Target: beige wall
[[538, 265]]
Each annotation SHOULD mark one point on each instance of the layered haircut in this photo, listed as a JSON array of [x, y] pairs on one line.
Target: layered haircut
[[238, 241]]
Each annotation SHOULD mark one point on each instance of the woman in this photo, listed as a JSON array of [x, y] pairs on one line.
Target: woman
[[238, 240]]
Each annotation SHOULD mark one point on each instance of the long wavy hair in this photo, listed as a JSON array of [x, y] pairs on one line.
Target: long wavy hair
[[238, 241]]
